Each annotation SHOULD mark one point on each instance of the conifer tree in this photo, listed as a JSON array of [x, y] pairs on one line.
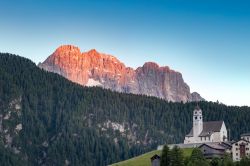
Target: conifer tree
[[165, 157], [197, 158], [176, 157]]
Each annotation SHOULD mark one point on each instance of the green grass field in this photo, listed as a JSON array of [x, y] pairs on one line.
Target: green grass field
[[144, 160]]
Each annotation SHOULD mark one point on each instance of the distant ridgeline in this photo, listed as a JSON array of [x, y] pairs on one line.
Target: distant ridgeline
[[46, 119]]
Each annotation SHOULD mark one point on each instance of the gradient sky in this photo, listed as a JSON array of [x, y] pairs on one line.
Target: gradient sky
[[207, 41]]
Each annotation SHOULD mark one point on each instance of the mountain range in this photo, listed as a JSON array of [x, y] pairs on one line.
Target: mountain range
[[98, 69]]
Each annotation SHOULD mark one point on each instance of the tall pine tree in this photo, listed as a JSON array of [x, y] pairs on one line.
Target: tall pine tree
[[165, 157], [197, 158], [176, 156]]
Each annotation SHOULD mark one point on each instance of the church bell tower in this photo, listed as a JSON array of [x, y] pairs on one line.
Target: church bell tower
[[197, 122]]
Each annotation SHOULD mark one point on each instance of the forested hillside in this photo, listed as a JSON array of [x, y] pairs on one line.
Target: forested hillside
[[48, 120]]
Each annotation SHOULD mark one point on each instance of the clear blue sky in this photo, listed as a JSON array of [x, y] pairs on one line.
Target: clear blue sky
[[207, 41]]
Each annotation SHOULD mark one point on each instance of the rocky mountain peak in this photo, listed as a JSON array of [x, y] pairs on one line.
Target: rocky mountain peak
[[67, 49], [154, 66], [93, 52], [150, 65], [92, 68]]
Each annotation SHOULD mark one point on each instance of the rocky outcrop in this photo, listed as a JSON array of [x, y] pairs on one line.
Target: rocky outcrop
[[97, 69]]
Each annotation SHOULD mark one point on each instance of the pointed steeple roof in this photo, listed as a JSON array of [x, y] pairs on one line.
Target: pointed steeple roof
[[197, 107]]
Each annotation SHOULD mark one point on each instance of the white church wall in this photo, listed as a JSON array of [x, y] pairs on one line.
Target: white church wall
[[216, 137], [223, 132], [212, 138], [189, 140]]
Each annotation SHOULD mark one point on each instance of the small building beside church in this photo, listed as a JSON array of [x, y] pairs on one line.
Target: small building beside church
[[240, 149], [211, 150], [155, 160], [203, 132]]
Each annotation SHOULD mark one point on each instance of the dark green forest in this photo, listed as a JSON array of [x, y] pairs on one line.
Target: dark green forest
[[63, 123]]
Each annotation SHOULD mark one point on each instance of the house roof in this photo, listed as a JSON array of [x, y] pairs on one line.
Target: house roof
[[245, 134], [197, 107], [190, 134], [241, 140], [226, 144], [208, 128], [214, 146], [155, 157]]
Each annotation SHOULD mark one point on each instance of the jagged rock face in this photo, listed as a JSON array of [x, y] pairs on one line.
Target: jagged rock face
[[96, 69], [196, 96]]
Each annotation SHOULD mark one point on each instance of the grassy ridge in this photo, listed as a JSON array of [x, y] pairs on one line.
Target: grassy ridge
[[144, 160]]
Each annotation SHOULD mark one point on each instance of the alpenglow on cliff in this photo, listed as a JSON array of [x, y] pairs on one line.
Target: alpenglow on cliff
[[97, 69]]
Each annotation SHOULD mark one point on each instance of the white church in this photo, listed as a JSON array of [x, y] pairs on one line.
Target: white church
[[204, 132]]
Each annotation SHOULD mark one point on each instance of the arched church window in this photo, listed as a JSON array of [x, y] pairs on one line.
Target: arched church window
[[195, 117]]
